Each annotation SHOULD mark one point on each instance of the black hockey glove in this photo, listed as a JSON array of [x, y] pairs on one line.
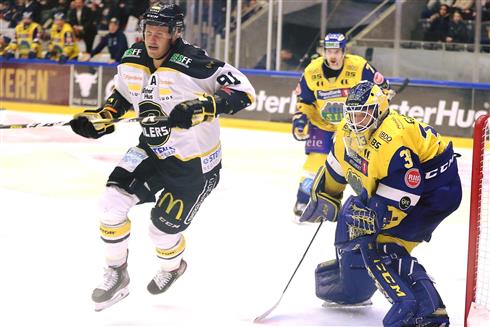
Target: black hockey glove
[[93, 123], [192, 112]]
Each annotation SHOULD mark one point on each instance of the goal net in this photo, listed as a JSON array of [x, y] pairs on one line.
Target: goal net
[[477, 310]]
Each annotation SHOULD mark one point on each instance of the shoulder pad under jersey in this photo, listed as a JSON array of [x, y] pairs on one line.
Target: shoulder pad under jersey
[[137, 54], [193, 61]]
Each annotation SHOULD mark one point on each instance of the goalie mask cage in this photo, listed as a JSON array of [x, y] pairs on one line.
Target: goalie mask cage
[[477, 308]]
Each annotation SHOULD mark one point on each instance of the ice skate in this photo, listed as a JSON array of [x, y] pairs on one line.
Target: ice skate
[[335, 305], [164, 279], [113, 289]]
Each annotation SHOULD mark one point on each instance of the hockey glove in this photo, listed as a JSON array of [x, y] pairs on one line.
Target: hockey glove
[[300, 126], [192, 112], [93, 123], [360, 218], [321, 206]]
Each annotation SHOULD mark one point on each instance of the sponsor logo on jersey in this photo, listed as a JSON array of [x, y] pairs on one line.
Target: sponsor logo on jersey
[[180, 59], [357, 162], [171, 204], [324, 95], [413, 178], [211, 160], [133, 53], [163, 152], [130, 77], [385, 137], [404, 203], [156, 132], [332, 112]]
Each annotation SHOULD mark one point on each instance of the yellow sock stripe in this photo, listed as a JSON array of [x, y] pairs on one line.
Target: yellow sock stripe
[[115, 233], [174, 251]]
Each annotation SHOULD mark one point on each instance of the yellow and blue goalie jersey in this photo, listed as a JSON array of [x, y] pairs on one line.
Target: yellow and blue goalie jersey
[[322, 99], [26, 40], [63, 42], [402, 161]]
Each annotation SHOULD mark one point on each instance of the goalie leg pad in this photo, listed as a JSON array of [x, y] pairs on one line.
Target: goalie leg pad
[[344, 280], [415, 275], [391, 284]]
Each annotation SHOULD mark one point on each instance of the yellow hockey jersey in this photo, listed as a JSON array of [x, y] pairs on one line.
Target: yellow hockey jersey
[[322, 99], [402, 160], [63, 42], [26, 40]]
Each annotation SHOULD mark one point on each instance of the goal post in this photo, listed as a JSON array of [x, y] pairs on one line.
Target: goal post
[[478, 271]]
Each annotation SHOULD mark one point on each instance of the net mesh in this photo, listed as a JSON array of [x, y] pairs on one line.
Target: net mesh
[[482, 296]]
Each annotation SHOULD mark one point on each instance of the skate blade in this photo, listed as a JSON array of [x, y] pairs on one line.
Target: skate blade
[[121, 294], [334, 305]]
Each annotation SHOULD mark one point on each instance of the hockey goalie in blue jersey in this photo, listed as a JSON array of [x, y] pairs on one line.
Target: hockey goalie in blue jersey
[[406, 181]]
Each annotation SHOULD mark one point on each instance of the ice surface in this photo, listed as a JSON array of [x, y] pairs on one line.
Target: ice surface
[[242, 247]]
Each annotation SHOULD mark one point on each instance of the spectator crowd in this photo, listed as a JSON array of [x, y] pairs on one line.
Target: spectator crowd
[[63, 25], [450, 21], [70, 27]]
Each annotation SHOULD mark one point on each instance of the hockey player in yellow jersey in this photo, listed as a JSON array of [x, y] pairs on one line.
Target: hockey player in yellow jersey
[[321, 93], [62, 44], [26, 42], [406, 181]]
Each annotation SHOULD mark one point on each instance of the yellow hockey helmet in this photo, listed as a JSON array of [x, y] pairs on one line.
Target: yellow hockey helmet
[[366, 107]]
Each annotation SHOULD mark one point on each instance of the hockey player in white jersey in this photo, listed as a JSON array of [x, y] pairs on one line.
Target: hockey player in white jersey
[[177, 161]]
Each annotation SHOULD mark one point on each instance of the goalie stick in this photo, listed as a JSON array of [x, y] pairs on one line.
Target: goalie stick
[[265, 314], [66, 123]]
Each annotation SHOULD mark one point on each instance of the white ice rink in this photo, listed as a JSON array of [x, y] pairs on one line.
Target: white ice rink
[[242, 247]]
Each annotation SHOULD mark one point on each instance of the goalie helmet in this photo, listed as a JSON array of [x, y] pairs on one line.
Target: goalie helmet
[[365, 108], [164, 15]]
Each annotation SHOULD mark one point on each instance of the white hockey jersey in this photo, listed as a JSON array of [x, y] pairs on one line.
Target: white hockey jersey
[[186, 74]]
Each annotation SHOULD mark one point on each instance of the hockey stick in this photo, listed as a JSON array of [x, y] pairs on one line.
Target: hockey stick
[[66, 123], [265, 314], [402, 86]]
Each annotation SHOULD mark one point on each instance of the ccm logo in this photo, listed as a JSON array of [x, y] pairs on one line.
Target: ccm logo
[[434, 172]]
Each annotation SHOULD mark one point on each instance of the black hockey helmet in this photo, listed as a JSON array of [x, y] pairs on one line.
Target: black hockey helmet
[[159, 14]]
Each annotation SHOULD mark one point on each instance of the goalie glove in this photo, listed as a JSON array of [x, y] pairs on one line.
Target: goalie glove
[[192, 112], [300, 126], [321, 206], [93, 123], [361, 219]]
